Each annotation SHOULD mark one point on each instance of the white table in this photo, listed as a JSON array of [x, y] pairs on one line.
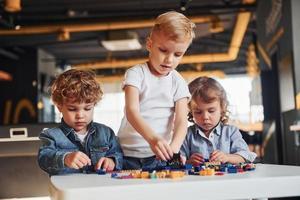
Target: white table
[[266, 181]]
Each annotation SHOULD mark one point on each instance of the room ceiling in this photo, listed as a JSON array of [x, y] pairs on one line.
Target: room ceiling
[[72, 31]]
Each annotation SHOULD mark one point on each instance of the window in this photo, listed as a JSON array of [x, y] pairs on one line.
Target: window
[[110, 110]]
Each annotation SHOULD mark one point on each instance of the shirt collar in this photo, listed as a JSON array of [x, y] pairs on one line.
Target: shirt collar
[[216, 130], [148, 68], [67, 129]]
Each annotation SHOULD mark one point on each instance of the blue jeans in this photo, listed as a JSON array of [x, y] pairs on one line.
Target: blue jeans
[[142, 163]]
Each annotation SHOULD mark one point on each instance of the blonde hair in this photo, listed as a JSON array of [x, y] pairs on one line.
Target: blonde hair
[[208, 90], [175, 26], [76, 85]]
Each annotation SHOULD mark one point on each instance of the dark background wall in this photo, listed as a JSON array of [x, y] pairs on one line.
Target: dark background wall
[[19, 171], [280, 79], [20, 93]]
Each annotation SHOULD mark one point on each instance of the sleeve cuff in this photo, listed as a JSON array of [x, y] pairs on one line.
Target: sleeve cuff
[[248, 156], [118, 162], [61, 159]]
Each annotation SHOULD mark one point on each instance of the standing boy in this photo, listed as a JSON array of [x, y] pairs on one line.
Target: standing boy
[[155, 124]]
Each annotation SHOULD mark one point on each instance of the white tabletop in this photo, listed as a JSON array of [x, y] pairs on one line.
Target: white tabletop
[[265, 181]]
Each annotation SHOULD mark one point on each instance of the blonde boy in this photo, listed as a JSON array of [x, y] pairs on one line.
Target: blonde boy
[[154, 125]]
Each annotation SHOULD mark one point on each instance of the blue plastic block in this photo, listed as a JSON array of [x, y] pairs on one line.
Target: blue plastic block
[[231, 169], [101, 171]]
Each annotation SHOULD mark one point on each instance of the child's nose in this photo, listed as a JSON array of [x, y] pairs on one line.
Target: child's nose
[[205, 115], [169, 59], [79, 114]]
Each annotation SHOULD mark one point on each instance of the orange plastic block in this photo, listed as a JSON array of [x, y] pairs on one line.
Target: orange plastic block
[[144, 174], [176, 174], [136, 174]]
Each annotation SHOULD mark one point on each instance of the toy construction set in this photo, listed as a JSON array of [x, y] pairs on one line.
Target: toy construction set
[[175, 169]]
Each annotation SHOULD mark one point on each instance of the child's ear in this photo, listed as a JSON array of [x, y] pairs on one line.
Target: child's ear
[[148, 43], [59, 107]]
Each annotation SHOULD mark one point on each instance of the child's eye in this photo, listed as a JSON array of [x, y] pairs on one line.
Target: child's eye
[[88, 109], [162, 50], [211, 111], [198, 112], [71, 109], [178, 54]]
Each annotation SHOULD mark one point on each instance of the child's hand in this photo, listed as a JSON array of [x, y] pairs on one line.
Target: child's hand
[[161, 148], [218, 156], [183, 159], [77, 160], [107, 164], [195, 159]]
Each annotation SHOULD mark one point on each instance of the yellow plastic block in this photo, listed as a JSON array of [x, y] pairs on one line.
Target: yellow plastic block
[[161, 174], [210, 172]]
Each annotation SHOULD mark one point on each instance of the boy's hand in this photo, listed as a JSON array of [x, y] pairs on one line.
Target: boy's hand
[[195, 159], [77, 160], [107, 164], [161, 148], [183, 159], [218, 156]]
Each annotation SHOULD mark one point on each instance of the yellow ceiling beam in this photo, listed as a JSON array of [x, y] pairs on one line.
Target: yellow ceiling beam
[[240, 28], [104, 26], [5, 76], [12, 6]]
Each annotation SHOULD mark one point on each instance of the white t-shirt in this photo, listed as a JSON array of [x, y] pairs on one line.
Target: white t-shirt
[[81, 137], [157, 97]]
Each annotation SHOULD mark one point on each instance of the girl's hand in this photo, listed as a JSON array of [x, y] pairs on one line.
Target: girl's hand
[[161, 148], [107, 164], [77, 160], [195, 159], [217, 155]]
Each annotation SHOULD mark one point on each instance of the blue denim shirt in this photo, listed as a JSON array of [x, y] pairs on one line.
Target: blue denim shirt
[[225, 138], [57, 142]]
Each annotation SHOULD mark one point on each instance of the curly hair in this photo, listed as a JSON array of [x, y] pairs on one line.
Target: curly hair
[[76, 85], [208, 90]]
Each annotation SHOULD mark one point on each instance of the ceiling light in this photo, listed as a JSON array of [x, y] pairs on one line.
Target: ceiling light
[[122, 45], [12, 5], [17, 27], [184, 4], [121, 41]]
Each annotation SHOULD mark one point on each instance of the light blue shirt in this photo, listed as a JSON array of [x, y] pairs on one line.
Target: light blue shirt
[[225, 138]]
